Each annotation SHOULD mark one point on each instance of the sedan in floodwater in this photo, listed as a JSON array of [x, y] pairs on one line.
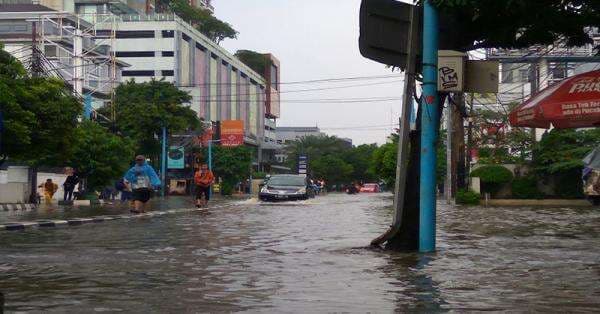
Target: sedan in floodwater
[[370, 188], [286, 187]]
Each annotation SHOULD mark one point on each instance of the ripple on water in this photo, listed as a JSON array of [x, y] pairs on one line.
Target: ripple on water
[[308, 256]]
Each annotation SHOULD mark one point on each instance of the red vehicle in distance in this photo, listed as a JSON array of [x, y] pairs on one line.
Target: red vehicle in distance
[[370, 188]]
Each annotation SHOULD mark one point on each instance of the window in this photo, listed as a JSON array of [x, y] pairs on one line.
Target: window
[[168, 73], [507, 76], [127, 34], [138, 73], [523, 75], [134, 34], [168, 34], [185, 37], [134, 54], [199, 46], [168, 54], [274, 77]]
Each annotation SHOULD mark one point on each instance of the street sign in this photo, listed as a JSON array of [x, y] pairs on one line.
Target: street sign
[[384, 31], [176, 157], [302, 164], [232, 133]]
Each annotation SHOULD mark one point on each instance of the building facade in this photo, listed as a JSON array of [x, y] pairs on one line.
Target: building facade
[[287, 134]]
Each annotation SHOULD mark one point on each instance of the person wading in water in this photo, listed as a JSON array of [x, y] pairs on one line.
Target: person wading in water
[[203, 178], [143, 180]]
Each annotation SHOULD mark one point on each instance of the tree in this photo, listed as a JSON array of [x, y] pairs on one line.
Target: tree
[[100, 156], [332, 168], [142, 109], [203, 20], [254, 60], [232, 164], [359, 158], [559, 155], [518, 23], [314, 147], [383, 163], [40, 115]]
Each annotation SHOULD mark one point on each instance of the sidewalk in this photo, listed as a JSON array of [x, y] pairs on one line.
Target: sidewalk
[[54, 215]]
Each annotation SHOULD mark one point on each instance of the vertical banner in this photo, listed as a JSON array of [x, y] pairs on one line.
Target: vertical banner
[[232, 133], [176, 157]]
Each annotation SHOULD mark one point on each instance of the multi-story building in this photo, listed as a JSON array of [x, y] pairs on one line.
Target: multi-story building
[[222, 87], [163, 46], [287, 134]]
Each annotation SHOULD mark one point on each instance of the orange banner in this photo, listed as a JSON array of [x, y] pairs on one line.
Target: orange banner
[[232, 132]]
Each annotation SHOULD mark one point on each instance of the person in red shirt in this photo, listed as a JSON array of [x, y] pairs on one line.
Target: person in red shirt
[[203, 178]]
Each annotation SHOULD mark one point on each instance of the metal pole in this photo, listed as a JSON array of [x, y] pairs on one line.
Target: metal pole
[[87, 106], [163, 162], [210, 165], [429, 123], [448, 181]]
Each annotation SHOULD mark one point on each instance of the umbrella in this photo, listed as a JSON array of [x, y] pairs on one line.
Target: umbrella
[[571, 103], [592, 160]]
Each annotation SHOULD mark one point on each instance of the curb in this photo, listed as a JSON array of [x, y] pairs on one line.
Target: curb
[[24, 225], [14, 207]]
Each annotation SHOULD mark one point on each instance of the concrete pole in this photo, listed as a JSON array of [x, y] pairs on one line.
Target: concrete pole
[[429, 132], [78, 63]]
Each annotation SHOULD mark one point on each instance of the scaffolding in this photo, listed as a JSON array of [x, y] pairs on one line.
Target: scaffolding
[[80, 50]]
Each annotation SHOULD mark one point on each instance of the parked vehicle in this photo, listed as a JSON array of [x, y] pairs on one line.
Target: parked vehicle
[[352, 189], [370, 188], [286, 187]]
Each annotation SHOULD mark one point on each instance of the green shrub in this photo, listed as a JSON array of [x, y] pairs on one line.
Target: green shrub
[[467, 197], [226, 188], [494, 174], [259, 175], [569, 184], [525, 188], [492, 177]]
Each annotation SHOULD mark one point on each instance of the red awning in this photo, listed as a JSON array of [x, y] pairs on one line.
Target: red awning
[[571, 103]]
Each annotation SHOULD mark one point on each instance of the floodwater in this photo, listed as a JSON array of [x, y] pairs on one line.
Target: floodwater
[[307, 257]]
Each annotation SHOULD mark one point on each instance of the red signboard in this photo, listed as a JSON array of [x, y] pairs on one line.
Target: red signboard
[[232, 132]]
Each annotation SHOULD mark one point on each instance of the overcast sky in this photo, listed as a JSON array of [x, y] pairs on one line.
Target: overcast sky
[[317, 39]]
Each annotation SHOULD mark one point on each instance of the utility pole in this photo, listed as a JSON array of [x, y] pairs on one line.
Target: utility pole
[[469, 140], [429, 132], [403, 136]]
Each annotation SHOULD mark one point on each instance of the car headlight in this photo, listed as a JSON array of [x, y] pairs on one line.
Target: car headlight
[[301, 191], [264, 189]]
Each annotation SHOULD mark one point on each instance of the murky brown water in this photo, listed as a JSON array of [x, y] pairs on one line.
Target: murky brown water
[[307, 257]]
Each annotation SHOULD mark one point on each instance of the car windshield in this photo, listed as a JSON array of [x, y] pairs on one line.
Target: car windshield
[[287, 181]]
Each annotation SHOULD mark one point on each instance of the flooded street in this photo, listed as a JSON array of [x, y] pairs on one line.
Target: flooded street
[[307, 257]]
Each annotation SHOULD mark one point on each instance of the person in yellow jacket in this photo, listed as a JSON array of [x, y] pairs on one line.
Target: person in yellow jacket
[[49, 189]]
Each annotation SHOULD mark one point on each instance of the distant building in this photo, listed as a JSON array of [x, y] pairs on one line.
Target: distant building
[[347, 140], [286, 134], [163, 46]]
